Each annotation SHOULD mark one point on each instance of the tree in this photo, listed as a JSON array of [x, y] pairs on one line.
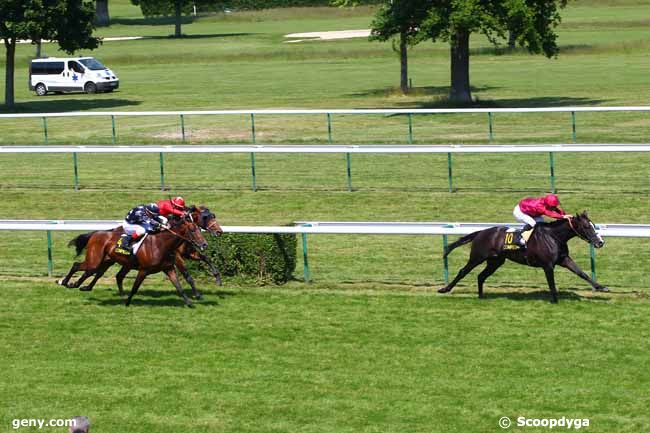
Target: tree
[[532, 21], [102, 17], [69, 22], [400, 17], [177, 8]]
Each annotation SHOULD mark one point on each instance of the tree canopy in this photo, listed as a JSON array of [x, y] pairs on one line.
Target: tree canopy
[[68, 22]]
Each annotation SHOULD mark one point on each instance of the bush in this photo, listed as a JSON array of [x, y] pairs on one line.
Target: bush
[[265, 258]]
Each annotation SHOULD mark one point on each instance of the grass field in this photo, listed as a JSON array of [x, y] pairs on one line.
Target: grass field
[[368, 346]]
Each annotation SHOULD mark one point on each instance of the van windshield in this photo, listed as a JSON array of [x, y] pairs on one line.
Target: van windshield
[[92, 64]]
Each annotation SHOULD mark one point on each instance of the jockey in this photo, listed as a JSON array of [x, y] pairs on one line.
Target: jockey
[[172, 206], [140, 220], [531, 210]]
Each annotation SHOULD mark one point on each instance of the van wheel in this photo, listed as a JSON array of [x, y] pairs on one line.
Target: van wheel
[[41, 90], [90, 88]]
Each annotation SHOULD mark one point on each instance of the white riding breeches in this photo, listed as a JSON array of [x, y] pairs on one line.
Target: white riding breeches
[[526, 219], [129, 229]]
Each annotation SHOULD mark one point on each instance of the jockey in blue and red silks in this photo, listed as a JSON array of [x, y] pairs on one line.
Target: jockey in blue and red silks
[[532, 210], [140, 220]]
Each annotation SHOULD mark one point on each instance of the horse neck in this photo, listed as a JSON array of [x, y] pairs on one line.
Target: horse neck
[[170, 240], [562, 230]]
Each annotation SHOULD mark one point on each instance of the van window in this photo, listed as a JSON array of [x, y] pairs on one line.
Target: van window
[[76, 67], [93, 64], [47, 68]]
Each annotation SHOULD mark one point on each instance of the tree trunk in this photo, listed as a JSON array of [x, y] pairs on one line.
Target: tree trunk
[[39, 49], [460, 91], [10, 45], [404, 64], [177, 29], [102, 18], [512, 40]]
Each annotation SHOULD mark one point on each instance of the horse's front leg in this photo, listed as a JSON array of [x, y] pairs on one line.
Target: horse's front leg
[[171, 274], [142, 274], [568, 263], [550, 279], [180, 264], [100, 271], [213, 268], [119, 278]]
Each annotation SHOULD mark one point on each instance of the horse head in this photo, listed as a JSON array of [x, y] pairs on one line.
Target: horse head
[[189, 229], [205, 219], [585, 229]]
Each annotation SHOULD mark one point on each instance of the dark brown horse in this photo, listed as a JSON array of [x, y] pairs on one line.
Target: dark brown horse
[[546, 248], [157, 253]]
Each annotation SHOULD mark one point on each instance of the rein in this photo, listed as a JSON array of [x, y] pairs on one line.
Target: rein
[[182, 237]]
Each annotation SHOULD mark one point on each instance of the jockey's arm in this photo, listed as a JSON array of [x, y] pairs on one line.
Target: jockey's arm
[[553, 214]]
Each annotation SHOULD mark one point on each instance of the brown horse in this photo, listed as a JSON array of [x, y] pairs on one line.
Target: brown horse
[[201, 215], [546, 248], [157, 253]]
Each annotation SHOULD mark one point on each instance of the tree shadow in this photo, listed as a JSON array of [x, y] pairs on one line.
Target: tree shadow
[[205, 36], [152, 21], [57, 103]]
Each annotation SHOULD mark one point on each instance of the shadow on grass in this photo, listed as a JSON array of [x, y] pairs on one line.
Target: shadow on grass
[[152, 297], [57, 103], [206, 36], [152, 21], [542, 295]]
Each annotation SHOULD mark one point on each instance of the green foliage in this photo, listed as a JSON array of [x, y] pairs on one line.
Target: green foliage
[[266, 258]]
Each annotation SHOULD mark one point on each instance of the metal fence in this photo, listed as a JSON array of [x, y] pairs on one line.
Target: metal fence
[[305, 228], [327, 113], [449, 150]]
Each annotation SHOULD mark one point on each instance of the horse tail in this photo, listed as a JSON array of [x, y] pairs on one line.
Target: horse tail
[[462, 241], [80, 242]]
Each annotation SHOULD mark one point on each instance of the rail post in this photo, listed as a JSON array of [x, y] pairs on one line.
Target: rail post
[[305, 259], [49, 253], [45, 128], [114, 130], [254, 177], [329, 128], [592, 253], [162, 171], [76, 171], [445, 260], [183, 129], [573, 125], [253, 127], [410, 116], [490, 128], [551, 161], [348, 159], [450, 179]]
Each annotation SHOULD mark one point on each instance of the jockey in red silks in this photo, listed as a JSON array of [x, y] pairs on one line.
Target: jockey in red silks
[[531, 210], [172, 206]]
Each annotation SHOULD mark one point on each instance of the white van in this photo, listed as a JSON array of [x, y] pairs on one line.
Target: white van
[[71, 74]]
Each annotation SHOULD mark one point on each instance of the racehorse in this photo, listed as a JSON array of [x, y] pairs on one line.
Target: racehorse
[[546, 247], [157, 253], [201, 215], [207, 221]]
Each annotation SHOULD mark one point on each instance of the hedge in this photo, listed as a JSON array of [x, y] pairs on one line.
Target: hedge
[[264, 258]]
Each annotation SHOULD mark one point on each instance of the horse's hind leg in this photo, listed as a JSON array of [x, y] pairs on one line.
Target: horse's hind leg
[[136, 285], [98, 274], [492, 266], [119, 278], [473, 262], [66, 280], [550, 278]]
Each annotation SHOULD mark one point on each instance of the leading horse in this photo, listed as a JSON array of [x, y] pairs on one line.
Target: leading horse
[[546, 248]]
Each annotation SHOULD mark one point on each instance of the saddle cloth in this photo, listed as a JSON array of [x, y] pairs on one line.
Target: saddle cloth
[[134, 248]]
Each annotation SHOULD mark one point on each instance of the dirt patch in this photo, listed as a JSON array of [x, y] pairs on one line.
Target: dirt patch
[[328, 36]]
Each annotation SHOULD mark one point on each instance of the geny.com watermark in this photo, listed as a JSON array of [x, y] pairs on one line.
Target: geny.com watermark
[[564, 422], [42, 423]]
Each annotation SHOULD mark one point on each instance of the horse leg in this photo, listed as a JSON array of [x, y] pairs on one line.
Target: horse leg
[[213, 268], [492, 266], [171, 274], [568, 263], [550, 278], [473, 262], [66, 280], [142, 274], [100, 271], [119, 278], [180, 264]]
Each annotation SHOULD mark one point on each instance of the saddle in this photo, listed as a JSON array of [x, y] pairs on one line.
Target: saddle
[[515, 239], [124, 247]]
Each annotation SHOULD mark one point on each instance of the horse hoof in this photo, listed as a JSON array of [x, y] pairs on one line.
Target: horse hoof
[[85, 289], [60, 282], [443, 290], [601, 289], [198, 296], [190, 305]]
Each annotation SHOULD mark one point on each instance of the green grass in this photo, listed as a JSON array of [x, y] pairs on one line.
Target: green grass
[[368, 346], [322, 360]]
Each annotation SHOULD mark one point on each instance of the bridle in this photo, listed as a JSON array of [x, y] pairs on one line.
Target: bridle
[[178, 235], [581, 236]]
